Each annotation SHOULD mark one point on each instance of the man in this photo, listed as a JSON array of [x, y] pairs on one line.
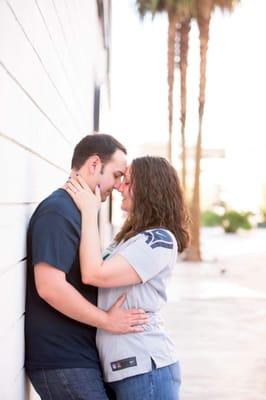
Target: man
[[61, 314]]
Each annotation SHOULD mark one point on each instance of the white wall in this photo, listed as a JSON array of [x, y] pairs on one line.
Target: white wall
[[51, 54]]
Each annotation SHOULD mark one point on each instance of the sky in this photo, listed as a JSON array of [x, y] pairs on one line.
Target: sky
[[234, 117]]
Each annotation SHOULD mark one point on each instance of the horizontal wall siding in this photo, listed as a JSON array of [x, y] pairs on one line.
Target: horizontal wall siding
[[28, 177], [30, 127], [41, 90], [13, 225], [51, 58], [12, 359], [12, 297]]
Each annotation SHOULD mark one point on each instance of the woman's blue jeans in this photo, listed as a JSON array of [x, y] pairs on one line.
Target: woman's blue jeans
[[158, 384]]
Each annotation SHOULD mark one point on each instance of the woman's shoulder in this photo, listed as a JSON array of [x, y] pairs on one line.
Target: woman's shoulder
[[159, 237], [152, 237]]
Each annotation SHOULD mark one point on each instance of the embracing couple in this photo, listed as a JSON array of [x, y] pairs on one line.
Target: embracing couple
[[129, 356]]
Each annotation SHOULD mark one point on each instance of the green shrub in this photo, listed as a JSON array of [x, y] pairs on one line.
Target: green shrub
[[262, 222], [263, 214], [234, 220], [210, 218]]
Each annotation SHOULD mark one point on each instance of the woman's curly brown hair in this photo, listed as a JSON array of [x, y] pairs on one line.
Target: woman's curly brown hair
[[158, 201]]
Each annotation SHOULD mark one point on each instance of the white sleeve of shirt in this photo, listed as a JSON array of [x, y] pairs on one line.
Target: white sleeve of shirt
[[150, 253]]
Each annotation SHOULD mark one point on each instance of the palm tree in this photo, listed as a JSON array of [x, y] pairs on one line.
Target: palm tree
[[179, 13], [172, 22], [184, 29], [204, 11]]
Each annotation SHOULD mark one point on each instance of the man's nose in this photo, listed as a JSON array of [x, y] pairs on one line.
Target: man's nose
[[118, 186]]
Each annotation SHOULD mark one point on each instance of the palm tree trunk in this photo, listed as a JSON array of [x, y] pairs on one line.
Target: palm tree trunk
[[194, 252], [204, 16], [184, 29], [171, 70]]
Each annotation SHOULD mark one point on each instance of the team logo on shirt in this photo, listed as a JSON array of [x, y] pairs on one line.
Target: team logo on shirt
[[159, 238]]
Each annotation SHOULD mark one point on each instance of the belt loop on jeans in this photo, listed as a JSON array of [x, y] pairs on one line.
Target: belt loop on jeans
[[153, 365]]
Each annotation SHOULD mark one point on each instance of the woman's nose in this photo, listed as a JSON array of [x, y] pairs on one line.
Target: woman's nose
[[121, 187]]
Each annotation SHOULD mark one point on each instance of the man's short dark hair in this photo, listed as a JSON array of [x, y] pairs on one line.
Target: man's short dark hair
[[101, 144]]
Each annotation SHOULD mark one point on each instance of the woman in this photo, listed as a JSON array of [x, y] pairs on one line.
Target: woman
[[139, 261]]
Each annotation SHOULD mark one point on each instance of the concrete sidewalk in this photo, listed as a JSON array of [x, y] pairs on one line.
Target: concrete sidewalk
[[217, 317]]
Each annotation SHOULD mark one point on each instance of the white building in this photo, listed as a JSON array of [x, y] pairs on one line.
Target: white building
[[53, 60]]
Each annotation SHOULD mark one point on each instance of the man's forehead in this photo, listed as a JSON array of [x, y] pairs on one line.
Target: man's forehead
[[119, 162], [120, 170]]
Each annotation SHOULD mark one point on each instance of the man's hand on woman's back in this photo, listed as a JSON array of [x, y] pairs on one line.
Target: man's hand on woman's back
[[120, 320]]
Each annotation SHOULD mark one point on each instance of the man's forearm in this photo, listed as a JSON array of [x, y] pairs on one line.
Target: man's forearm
[[52, 287], [66, 299]]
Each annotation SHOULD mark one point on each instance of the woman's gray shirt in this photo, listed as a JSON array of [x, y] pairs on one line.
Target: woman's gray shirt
[[152, 254]]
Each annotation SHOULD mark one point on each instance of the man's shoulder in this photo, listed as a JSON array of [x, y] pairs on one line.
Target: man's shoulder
[[59, 202]]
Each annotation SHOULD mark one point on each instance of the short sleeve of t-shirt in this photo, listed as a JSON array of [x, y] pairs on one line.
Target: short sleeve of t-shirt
[[54, 241], [150, 253]]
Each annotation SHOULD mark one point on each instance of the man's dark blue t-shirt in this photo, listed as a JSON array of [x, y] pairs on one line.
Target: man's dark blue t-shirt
[[52, 339]]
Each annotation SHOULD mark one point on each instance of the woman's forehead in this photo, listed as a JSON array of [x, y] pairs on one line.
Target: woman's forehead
[[127, 173]]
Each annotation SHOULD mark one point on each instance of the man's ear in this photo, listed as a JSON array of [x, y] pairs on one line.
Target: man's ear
[[94, 164]]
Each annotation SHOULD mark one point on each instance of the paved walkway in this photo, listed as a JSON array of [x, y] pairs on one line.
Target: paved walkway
[[217, 318]]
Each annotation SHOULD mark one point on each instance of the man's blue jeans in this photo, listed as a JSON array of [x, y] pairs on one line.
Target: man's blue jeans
[[158, 384], [69, 384]]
